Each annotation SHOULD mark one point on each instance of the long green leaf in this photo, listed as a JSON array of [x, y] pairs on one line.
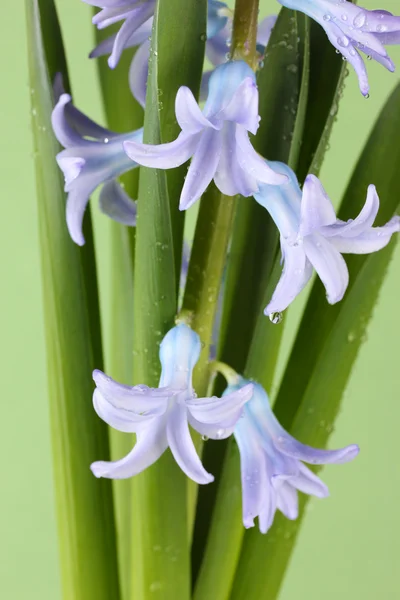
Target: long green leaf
[[123, 114], [314, 381], [160, 547], [84, 504]]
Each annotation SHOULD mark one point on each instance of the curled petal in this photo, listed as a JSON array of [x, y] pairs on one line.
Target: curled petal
[[138, 399], [289, 446], [135, 19], [116, 204], [163, 156], [243, 106], [296, 273], [369, 241], [182, 446], [188, 113], [202, 168], [77, 201], [138, 73], [253, 163], [217, 410], [346, 48], [362, 223], [316, 208], [150, 445], [329, 264], [119, 418]]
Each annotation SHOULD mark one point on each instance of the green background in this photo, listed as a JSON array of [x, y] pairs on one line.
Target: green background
[[350, 543]]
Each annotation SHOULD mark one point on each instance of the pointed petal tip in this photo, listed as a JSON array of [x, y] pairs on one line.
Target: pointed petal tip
[[248, 521], [99, 469]]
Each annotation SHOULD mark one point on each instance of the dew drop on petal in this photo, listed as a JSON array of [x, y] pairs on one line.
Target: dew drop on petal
[[275, 317], [204, 438]]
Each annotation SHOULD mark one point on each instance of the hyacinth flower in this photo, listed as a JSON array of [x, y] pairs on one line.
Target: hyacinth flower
[[138, 19], [351, 29], [217, 138], [218, 47], [271, 460], [160, 417], [311, 236], [93, 155]]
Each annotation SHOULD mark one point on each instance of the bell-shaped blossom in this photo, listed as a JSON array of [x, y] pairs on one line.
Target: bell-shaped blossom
[[138, 20], [311, 236], [352, 29], [160, 417], [219, 46], [93, 155], [271, 460], [217, 138]]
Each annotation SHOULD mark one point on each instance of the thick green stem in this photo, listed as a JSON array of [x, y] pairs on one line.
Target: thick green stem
[[205, 274], [244, 37]]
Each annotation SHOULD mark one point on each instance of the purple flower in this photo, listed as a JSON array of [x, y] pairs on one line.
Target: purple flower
[[138, 17], [92, 156], [312, 237], [272, 470], [351, 28], [134, 13], [160, 416], [216, 138]]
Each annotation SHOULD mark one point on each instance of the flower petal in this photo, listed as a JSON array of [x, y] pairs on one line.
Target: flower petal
[[138, 399], [230, 177], [329, 264], [150, 445], [138, 73], [137, 17], [202, 168], [217, 47], [188, 113], [287, 500], [119, 418], [182, 447], [361, 223], [369, 241], [289, 446], [163, 156], [256, 491], [217, 410], [253, 163], [77, 201], [264, 30], [296, 273], [243, 107], [316, 208], [116, 204]]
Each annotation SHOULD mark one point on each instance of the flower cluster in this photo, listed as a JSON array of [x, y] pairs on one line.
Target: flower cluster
[[216, 137]]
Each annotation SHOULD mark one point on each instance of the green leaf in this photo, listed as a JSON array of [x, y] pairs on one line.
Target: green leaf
[[314, 381], [160, 548], [123, 114], [84, 504]]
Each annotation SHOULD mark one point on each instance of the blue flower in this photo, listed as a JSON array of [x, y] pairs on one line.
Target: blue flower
[[272, 470], [160, 416], [92, 156], [352, 29], [216, 138], [312, 237], [138, 17]]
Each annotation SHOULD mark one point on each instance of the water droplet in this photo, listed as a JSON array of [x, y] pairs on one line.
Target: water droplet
[[106, 140], [275, 317], [155, 586], [359, 20], [204, 438]]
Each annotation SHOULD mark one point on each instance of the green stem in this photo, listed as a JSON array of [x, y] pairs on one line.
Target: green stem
[[206, 269], [244, 38], [213, 233]]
